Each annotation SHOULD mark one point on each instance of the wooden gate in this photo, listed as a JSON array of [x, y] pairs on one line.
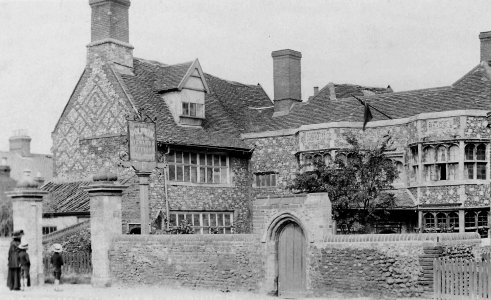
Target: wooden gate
[[291, 260]]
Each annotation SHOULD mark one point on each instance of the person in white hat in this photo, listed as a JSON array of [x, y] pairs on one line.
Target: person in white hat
[[25, 265], [57, 262]]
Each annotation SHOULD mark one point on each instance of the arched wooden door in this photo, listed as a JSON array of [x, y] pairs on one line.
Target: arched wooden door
[[291, 260]]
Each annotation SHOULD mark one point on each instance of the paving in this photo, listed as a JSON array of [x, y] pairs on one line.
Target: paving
[[87, 292]]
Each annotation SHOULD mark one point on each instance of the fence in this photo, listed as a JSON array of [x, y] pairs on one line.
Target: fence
[[461, 279], [78, 263]]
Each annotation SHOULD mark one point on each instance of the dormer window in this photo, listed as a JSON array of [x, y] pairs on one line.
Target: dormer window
[[184, 98], [190, 109]]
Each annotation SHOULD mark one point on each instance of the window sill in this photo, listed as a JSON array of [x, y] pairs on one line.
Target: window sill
[[221, 185]]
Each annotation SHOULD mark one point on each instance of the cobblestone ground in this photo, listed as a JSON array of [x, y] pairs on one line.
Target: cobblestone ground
[[86, 292]]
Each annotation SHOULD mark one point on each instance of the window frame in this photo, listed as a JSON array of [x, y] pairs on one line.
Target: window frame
[[204, 219], [261, 179], [187, 109], [472, 163], [183, 169]]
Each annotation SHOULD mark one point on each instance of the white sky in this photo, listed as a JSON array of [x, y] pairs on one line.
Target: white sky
[[407, 44]]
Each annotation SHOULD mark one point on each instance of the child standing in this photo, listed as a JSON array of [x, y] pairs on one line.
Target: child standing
[[57, 262], [25, 265]]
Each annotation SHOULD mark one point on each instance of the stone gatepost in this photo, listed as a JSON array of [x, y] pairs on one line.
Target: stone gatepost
[[105, 223], [27, 210]]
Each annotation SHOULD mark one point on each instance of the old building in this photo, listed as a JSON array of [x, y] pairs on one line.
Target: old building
[[20, 158], [227, 144]]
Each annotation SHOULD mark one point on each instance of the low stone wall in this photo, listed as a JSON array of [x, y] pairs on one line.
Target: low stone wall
[[225, 262], [4, 250], [376, 265]]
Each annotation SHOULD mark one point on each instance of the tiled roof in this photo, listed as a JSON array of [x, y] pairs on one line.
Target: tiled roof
[[473, 91], [403, 198], [227, 112], [66, 197], [36, 163], [167, 77], [70, 196]]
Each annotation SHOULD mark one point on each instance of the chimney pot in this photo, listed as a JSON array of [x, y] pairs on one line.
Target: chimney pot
[[316, 90]]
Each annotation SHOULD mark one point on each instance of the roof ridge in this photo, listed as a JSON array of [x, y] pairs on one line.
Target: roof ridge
[[406, 92]]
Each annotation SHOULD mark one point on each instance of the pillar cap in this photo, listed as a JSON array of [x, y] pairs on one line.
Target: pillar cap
[[105, 183], [27, 194]]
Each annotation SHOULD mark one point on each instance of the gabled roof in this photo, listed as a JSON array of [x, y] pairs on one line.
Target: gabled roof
[[224, 103]]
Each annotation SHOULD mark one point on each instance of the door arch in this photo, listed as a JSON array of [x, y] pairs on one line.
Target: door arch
[[291, 249]]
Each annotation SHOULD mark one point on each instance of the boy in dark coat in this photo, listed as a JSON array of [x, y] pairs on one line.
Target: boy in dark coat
[[13, 278], [57, 262], [25, 265]]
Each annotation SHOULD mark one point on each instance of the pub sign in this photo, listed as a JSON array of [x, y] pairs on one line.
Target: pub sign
[[142, 141]]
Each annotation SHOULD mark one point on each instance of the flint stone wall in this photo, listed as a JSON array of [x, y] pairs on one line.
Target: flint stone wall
[[380, 265], [225, 262]]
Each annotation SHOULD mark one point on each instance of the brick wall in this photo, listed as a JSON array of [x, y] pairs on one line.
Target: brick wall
[[225, 262]]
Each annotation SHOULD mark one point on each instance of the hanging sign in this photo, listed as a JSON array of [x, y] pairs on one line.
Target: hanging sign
[[142, 141]]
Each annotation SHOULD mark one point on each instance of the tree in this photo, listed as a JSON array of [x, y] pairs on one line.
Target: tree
[[356, 186]]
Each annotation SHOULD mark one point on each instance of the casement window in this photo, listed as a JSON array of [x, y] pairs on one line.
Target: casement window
[[441, 162], [441, 221], [48, 229], [475, 163], [190, 109], [266, 179], [197, 167], [205, 222]]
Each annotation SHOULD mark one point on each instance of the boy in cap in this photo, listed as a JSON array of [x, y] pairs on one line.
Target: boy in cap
[[57, 262], [25, 265]]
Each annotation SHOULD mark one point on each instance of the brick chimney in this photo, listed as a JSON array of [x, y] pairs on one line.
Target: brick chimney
[[287, 80], [110, 32], [485, 38], [20, 143]]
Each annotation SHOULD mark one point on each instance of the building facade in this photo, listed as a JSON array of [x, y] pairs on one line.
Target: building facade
[[227, 144]]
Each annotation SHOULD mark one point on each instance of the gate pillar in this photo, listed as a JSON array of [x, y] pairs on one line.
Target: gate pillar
[[27, 212], [105, 223]]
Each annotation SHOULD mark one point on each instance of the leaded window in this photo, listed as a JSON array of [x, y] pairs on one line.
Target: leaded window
[[197, 167], [203, 222]]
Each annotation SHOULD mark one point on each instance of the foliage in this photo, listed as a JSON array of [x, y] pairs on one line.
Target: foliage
[[355, 186], [184, 228], [6, 221]]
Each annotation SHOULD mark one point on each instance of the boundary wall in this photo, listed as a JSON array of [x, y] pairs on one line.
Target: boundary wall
[[363, 265], [225, 262]]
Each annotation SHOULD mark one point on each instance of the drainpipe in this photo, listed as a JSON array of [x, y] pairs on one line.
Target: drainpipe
[[166, 178]]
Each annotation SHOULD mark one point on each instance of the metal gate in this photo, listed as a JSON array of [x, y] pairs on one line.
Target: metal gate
[[291, 260]]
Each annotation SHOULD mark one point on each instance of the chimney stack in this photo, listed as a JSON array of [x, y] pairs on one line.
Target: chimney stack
[[20, 143], [316, 90], [110, 32], [287, 80], [485, 38]]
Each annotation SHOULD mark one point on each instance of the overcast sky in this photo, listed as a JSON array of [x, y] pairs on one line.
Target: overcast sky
[[407, 44]]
